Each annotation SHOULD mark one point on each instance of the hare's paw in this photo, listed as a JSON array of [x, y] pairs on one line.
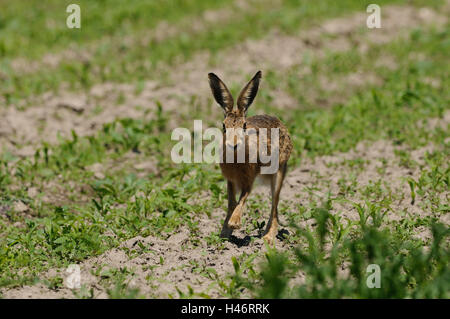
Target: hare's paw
[[269, 238], [235, 220], [234, 224]]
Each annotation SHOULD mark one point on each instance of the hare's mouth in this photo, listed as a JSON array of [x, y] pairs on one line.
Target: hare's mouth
[[233, 146]]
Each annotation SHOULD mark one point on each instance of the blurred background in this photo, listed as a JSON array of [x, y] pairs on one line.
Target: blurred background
[[132, 52]]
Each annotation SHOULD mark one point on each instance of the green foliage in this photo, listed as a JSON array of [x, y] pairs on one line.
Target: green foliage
[[342, 272]]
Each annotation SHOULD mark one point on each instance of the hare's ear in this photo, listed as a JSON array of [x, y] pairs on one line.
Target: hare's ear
[[248, 93], [221, 93]]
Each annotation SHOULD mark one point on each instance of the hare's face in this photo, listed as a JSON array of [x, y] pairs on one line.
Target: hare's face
[[234, 127]]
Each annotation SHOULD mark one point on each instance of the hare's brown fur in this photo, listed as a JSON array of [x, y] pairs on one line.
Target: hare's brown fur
[[241, 176]]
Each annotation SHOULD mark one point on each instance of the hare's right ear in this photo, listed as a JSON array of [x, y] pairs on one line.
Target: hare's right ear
[[248, 93], [221, 93]]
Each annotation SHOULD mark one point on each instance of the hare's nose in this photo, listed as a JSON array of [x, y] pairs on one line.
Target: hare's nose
[[231, 145]]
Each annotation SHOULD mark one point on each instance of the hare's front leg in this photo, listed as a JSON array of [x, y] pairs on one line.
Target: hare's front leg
[[235, 219], [231, 191]]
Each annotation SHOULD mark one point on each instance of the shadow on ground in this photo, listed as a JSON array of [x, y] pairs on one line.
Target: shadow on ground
[[245, 241]]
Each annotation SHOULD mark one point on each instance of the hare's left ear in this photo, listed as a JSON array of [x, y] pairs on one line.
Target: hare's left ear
[[248, 93], [221, 93]]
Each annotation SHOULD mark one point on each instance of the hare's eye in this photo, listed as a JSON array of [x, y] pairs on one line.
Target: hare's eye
[[245, 126], [224, 128]]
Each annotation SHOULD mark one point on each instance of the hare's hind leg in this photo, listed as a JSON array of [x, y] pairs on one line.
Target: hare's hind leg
[[275, 188], [231, 190]]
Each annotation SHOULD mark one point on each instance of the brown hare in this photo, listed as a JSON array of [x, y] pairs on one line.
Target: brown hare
[[240, 175]]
